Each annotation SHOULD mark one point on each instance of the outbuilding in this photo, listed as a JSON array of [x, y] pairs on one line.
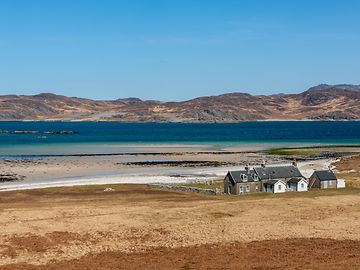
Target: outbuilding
[[324, 179]]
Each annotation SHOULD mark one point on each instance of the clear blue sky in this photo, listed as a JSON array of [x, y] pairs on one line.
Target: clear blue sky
[[176, 49]]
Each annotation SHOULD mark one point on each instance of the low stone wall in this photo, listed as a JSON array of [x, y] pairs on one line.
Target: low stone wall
[[187, 189]]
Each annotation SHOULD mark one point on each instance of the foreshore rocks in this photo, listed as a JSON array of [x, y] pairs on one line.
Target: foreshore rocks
[[11, 177]]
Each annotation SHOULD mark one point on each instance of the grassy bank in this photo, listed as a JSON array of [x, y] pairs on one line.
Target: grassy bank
[[312, 151]]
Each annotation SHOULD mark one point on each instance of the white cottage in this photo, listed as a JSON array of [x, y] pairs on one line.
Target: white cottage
[[297, 184], [275, 186]]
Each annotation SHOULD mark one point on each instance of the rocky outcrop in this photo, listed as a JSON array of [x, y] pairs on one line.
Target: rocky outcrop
[[11, 177]]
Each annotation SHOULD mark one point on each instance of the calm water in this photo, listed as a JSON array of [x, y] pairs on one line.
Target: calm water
[[104, 137]]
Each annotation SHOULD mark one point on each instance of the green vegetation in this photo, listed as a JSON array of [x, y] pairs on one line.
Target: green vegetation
[[289, 152], [313, 150]]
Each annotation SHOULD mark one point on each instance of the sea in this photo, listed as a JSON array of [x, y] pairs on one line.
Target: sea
[[45, 138]]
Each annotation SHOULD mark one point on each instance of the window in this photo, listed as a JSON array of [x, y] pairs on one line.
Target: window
[[330, 183], [256, 187], [302, 185], [241, 189], [244, 177], [247, 189], [255, 177], [279, 187]]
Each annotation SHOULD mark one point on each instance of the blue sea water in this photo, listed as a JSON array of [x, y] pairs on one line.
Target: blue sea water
[[95, 137]]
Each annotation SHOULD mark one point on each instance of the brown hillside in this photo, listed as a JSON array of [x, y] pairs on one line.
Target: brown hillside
[[323, 102]]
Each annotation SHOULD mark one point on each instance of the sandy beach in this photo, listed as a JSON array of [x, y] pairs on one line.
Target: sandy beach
[[148, 164]]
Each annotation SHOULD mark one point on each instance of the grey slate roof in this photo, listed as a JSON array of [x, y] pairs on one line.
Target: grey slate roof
[[294, 180], [273, 182], [236, 176], [278, 172], [325, 175]]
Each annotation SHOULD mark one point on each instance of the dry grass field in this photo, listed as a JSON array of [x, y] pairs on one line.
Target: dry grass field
[[349, 169], [135, 227]]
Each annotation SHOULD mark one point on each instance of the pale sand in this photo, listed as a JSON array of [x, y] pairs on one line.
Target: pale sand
[[72, 171]]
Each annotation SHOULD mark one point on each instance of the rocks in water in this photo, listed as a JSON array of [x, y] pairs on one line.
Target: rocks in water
[[18, 132], [24, 132], [62, 132]]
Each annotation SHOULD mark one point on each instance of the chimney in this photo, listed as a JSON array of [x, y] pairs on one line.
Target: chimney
[[294, 163], [247, 167]]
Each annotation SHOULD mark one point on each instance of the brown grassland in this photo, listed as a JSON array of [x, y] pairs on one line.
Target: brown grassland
[[349, 169], [135, 227]]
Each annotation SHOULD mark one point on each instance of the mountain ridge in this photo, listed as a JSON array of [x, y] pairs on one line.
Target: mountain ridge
[[321, 102]]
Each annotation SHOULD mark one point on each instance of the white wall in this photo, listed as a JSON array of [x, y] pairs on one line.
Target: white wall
[[299, 188], [340, 183], [276, 187]]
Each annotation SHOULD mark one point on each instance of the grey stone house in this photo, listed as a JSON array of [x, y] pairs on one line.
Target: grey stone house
[[274, 179], [242, 182], [325, 179]]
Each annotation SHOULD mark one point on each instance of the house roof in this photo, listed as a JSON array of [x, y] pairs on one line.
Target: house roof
[[295, 180], [236, 176], [278, 172], [325, 175], [273, 182]]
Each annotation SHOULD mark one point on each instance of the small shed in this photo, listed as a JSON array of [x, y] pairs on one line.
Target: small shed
[[325, 179], [341, 183]]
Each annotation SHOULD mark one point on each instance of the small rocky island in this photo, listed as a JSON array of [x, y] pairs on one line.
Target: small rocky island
[[61, 132]]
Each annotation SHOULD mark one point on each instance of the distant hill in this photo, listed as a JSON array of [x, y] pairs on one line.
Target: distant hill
[[322, 102]]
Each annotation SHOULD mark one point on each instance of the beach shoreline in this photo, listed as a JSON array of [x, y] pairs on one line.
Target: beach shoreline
[[163, 165]]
